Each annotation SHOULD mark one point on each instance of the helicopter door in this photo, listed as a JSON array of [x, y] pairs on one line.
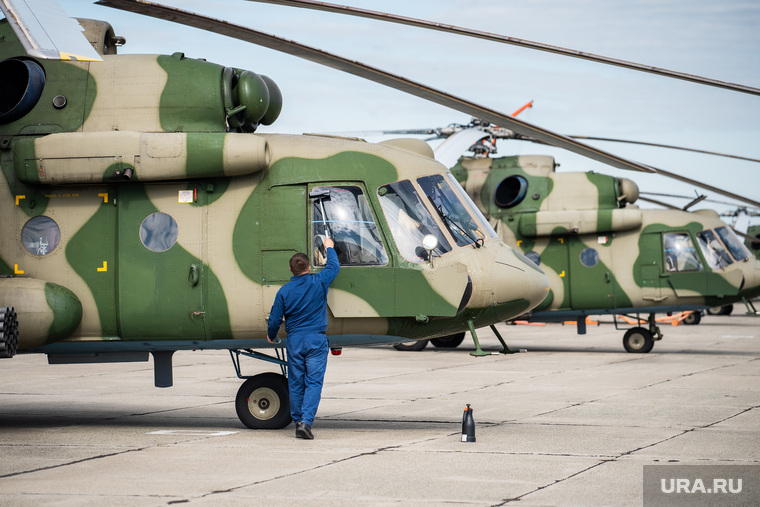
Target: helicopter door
[[160, 262], [683, 266], [590, 280], [282, 225], [651, 272]]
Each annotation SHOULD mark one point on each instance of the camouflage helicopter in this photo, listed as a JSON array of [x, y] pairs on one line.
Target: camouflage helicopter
[[149, 216], [602, 254], [142, 215]]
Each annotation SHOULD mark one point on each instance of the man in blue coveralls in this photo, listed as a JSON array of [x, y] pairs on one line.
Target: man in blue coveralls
[[303, 303]]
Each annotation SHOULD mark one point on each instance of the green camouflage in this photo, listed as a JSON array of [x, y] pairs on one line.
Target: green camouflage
[[142, 139], [601, 253]]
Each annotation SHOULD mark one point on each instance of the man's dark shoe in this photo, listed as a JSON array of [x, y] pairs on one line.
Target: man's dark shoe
[[303, 430]]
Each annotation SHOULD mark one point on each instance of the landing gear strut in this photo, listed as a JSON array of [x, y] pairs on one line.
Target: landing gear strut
[[640, 340], [263, 401]]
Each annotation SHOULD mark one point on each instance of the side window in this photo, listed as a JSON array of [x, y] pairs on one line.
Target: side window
[[342, 212], [40, 235], [680, 254], [159, 232]]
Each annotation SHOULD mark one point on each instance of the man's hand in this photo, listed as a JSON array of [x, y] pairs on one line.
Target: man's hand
[[329, 243]]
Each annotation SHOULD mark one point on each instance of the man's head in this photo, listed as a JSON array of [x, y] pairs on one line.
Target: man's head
[[299, 264]]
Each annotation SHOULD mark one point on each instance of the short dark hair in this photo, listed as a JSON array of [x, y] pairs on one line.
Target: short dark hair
[[299, 264]]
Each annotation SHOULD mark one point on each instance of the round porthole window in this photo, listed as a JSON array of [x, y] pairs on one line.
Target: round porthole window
[[40, 235], [158, 232], [589, 257]]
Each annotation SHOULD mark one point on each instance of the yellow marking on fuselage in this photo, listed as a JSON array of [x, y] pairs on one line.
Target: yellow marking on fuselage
[[562, 275], [104, 268], [17, 270], [79, 58], [19, 197], [104, 196]]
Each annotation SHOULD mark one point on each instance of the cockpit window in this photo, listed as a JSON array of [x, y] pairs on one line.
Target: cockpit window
[[348, 221], [453, 213], [736, 248], [409, 221], [715, 254], [474, 211], [680, 254]]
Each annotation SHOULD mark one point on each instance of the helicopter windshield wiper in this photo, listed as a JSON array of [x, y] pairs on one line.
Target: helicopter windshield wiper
[[448, 222]]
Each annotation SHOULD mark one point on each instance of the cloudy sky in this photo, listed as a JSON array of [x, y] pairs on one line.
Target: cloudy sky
[[719, 40]]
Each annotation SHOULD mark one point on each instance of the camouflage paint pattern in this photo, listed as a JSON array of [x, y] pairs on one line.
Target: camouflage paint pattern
[[601, 253], [142, 138]]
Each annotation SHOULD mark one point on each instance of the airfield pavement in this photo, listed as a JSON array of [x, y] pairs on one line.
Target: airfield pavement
[[571, 422]]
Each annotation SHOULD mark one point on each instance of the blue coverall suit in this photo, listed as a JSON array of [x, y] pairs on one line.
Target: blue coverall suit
[[303, 303]]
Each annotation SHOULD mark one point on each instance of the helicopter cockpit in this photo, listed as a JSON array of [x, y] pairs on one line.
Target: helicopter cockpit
[[719, 248], [343, 213]]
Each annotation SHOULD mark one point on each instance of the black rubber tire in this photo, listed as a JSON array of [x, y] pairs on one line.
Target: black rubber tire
[[263, 402], [721, 310], [638, 340], [448, 342], [693, 319], [413, 346]]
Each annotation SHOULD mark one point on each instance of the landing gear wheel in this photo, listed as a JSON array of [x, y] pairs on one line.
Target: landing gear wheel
[[638, 340], [721, 310], [448, 342], [263, 402], [414, 347], [693, 319]]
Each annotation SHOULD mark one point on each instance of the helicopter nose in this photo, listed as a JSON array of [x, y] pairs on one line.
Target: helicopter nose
[[515, 276]]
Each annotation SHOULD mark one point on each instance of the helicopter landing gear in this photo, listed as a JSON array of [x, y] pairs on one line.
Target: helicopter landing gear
[[263, 401], [640, 340], [693, 319], [415, 346], [448, 342]]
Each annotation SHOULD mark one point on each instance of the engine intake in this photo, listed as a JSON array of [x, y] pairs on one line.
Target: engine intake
[[20, 88]]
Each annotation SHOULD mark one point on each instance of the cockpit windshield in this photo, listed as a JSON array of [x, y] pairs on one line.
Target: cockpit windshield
[[733, 244], [460, 221], [410, 221], [715, 254]]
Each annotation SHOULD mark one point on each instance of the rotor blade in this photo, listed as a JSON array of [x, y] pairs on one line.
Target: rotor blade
[[675, 176], [449, 151], [706, 186], [742, 223], [609, 139], [660, 203], [677, 196], [420, 23], [372, 74]]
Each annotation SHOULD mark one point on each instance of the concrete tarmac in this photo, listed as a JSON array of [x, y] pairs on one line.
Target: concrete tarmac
[[571, 422]]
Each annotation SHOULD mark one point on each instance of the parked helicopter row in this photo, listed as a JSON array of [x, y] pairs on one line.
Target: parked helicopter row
[[602, 253], [145, 213]]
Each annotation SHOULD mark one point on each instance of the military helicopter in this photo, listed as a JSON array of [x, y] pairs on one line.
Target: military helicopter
[[142, 214], [151, 217], [602, 254]]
